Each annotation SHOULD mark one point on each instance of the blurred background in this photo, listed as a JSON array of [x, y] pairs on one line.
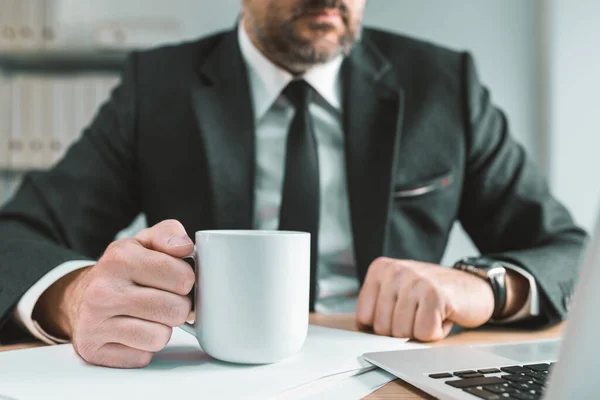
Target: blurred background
[[540, 58]]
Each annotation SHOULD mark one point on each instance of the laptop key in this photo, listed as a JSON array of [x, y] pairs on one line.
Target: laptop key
[[469, 376], [499, 389], [526, 386], [441, 375], [514, 370], [517, 378], [538, 367], [489, 371], [461, 373], [473, 382], [536, 374], [483, 394]]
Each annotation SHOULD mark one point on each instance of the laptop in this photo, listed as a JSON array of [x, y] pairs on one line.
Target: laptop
[[521, 371]]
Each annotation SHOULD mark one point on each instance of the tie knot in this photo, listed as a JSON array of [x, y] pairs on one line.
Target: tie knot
[[298, 93]]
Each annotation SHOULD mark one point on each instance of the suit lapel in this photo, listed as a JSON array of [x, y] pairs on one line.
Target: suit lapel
[[373, 107], [223, 108]]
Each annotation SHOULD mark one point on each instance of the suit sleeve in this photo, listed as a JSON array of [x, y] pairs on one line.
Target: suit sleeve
[[507, 207], [75, 209]]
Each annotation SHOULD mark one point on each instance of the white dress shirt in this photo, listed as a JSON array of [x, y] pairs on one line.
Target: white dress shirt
[[337, 283]]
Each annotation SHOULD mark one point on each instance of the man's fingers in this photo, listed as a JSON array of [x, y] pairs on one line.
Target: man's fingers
[[365, 305], [167, 237], [384, 309], [116, 355], [135, 333], [129, 260], [161, 271], [429, 319], [367, 298], [155, 305], [403, 317]]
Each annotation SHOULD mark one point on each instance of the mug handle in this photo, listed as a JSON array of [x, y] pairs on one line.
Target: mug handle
[[191, 327]]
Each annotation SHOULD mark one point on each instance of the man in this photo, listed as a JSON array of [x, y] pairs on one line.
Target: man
[[297, 119]]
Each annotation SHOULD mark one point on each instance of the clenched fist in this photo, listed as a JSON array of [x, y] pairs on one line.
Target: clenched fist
[[121, 311], [412, 299]]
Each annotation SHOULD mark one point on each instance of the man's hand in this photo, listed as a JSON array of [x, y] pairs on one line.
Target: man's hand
[[121, 311], [412, 299]]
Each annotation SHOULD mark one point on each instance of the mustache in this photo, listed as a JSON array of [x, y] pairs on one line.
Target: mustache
[[309, 6]]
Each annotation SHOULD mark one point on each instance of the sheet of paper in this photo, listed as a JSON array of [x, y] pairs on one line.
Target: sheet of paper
[[355, 387], [183, 369]]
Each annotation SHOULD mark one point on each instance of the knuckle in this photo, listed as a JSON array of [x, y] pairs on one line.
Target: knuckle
[[424, 335], [87, 350], [432, 292], [186, 281], [378, 328], [377, 266], [172, 225], [424, 284], [159, 338], [361, 318], [181, 311], [401, 269], [118, 251], [398, 332], [143, 359], [380, 261], [174, 313]]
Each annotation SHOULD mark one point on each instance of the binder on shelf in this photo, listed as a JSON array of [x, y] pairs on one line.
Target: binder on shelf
[[18, 24], [19, 124], [28, 31], [8, 33], [62, 111], [80, 111], [4, 20], [50, 31], [37, 16], [35, 142], [5, 120], [126, 35], [46, 121]]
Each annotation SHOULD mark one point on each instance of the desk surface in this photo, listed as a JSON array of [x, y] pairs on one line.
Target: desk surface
[[398, 389]]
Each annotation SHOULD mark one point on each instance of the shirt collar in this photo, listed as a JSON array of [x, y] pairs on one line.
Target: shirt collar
[[267, 80]]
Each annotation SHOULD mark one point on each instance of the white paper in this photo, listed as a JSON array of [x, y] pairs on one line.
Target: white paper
[[355, 387], [182, 369]]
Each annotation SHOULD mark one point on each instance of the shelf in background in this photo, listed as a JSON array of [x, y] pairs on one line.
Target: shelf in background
[[60, 60]]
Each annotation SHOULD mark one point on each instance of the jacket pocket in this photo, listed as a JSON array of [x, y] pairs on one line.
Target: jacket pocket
[[425, 187]]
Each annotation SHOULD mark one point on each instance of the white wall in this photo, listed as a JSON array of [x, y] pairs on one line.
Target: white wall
[[575, 105], [499, 33]]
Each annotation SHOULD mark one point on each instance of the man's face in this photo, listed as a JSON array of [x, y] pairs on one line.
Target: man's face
[[303, 32]]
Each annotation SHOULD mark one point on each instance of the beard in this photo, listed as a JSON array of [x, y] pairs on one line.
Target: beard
[[281, 40]]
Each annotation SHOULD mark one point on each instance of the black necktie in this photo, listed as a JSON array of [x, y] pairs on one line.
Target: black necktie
[[300, 196]]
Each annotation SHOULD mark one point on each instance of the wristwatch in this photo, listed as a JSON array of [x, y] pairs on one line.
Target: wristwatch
[[491, 271]]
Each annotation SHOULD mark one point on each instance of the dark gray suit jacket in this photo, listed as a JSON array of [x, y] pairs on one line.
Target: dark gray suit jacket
[[424, 147]]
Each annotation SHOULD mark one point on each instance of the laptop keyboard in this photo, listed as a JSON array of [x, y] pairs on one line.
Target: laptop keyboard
[[519, 382]]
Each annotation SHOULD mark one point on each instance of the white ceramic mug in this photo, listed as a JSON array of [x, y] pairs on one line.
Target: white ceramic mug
[[252, 294]]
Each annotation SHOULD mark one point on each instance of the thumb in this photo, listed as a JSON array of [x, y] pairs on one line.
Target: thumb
[[167, 237]]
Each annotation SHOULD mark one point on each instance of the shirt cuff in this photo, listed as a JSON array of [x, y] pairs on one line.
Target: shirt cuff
[[531, 308], [24, 310]]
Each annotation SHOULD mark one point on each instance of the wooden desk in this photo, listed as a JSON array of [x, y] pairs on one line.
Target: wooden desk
[[399, 389]]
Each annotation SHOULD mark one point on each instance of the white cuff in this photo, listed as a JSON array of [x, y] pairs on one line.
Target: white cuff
[[531, 308], [24, 310]]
